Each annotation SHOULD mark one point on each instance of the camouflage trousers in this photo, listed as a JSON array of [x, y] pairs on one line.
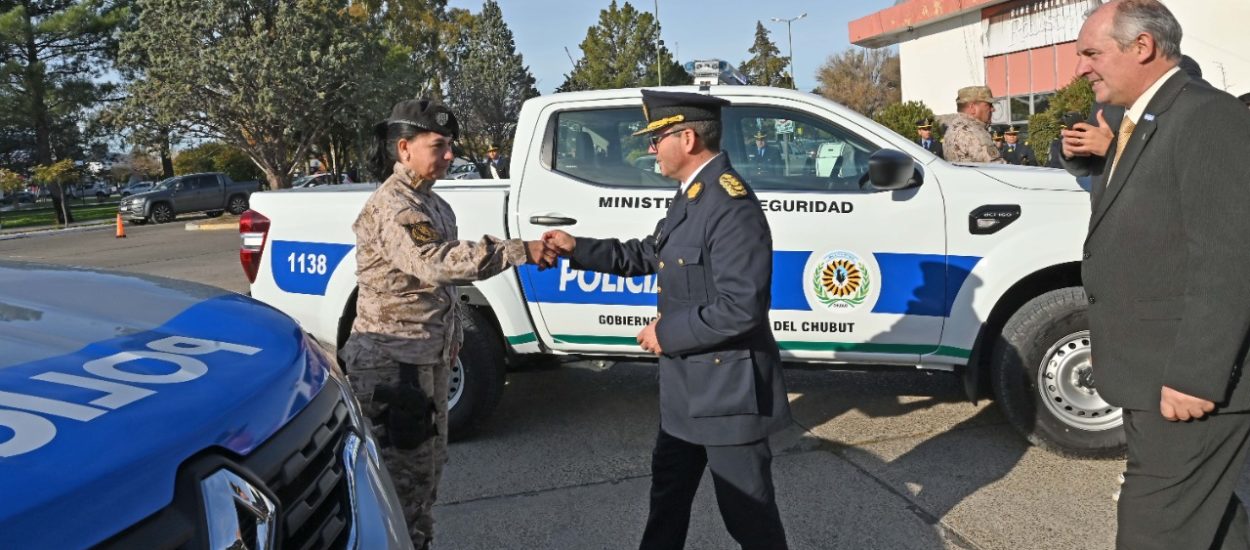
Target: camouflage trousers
[[415, 472]]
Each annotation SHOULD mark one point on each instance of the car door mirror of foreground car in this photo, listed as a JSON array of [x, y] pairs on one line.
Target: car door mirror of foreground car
[[890, 170]]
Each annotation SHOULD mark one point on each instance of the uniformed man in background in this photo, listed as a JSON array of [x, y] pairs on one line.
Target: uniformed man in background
[[967, 136], [1015, 152], [407, 330], [924, 127], [721, 387]]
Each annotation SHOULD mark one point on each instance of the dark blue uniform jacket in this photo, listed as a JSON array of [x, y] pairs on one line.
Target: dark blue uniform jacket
[[720, 374]]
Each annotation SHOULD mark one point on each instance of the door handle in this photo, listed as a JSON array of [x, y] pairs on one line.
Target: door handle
[[552, 220]]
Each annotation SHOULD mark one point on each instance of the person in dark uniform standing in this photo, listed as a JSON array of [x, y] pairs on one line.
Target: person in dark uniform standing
[[924, 127], [496, 165], [1015, 152], [722, 392], [763, 158]]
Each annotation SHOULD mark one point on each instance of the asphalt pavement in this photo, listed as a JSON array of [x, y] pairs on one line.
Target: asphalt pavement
[[875, 460]]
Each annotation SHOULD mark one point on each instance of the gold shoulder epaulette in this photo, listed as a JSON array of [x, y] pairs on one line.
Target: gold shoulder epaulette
[[733, 185]]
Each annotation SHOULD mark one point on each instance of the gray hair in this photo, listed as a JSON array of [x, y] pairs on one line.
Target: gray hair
[[1134, 18], [708, 131]]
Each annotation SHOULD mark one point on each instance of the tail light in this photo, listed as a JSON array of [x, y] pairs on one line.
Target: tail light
[[254, 229]]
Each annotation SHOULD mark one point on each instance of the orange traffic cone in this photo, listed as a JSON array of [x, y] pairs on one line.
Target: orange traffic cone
[[121, 229]]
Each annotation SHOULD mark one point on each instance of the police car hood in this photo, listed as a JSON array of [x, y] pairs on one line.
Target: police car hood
[[1033, 177], [108, 382]]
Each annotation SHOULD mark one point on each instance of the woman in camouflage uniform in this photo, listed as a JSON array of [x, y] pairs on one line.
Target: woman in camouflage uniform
[[407, 330]]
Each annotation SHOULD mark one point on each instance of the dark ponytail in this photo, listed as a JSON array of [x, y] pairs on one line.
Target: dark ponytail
[[382, 152]]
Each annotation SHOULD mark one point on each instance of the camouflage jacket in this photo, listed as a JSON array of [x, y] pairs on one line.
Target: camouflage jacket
[[409, 262], [967, 139]]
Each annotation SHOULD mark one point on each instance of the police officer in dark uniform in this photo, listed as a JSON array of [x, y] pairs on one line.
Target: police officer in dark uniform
[[721, 387], [1015, 152], [924, 127]]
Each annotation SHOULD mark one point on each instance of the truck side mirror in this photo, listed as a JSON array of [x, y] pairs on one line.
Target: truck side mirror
[[890, 170]]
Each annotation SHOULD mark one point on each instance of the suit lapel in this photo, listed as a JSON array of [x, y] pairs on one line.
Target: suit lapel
[[676, 213], [1141, 136]]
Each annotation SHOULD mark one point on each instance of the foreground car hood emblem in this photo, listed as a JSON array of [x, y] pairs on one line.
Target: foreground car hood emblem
[[238, 515]]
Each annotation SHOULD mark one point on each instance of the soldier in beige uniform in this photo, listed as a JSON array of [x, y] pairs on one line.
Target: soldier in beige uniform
[[967, 136], [407, 330]]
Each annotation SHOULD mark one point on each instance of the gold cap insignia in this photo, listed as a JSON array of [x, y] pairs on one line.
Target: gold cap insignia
[[422, 233], [692, 193], [657, 124], [733, 186]]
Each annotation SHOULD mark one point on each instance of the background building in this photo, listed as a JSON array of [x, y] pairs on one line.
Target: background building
[[1025, 49]]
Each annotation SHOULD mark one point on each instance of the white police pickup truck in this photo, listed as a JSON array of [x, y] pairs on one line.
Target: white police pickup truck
[[140, 412], [883, 255]]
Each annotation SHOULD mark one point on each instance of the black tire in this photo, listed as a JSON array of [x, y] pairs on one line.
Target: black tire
[[237, 205], [100, 195], [162, 213], [481, 372], [140, 221], [214, 213], [1048, 339]]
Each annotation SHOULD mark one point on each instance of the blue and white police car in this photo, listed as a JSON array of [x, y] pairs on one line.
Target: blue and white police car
[[884, 254], [140, 412]]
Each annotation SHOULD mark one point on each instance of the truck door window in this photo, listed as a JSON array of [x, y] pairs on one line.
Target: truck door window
[[597, 146], [782, 150]]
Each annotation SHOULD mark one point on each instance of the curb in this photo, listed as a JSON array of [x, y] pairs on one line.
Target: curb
[[86, 226], [213, 225]]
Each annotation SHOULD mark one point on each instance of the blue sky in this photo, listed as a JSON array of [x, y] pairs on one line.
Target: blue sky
[[692, 29]]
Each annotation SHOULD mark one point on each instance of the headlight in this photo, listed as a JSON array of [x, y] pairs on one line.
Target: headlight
[[316, 353]]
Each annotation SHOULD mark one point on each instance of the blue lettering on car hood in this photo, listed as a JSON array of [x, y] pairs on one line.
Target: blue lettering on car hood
[[125, 412]]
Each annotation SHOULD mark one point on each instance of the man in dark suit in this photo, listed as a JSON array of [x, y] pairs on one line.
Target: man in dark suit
[[1015, 152], [1165, 272], [721, 387], [924, 127], [496, 165], [763, 158]]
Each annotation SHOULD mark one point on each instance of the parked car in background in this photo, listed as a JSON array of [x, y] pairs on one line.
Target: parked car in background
[[21, 197], [212, 193], [198, 419], [137, 187], [313, 180], [466, 171]]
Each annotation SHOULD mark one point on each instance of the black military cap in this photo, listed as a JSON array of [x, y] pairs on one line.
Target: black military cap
[[663, 109], [493, 147], [924, 124], [1011, 131], [426, 115]]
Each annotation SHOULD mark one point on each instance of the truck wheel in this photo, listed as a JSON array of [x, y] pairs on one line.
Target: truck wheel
[[213, 213], [237, 205], [162, 213], [1043, 381], [477, 378]]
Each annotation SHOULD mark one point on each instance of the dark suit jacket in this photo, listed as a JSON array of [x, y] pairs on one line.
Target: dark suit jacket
[[1166, 266], [501, 165], [767, 163], [720, 375], [1022, 154], [934, 147]]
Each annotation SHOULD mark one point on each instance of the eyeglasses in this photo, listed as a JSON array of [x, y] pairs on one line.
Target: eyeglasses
[[655, 140]]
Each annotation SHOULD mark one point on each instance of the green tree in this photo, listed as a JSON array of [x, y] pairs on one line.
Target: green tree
[[902, 117], [217, 157], [492, 81], [10, 181], [863, 80], [52, 53], [621, 52], [266, 77], [766, 67], [141, 125], [1076, 97], [57, 175]]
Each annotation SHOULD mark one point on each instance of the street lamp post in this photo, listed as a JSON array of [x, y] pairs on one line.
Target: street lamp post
[[659, 71], [790, 40]]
